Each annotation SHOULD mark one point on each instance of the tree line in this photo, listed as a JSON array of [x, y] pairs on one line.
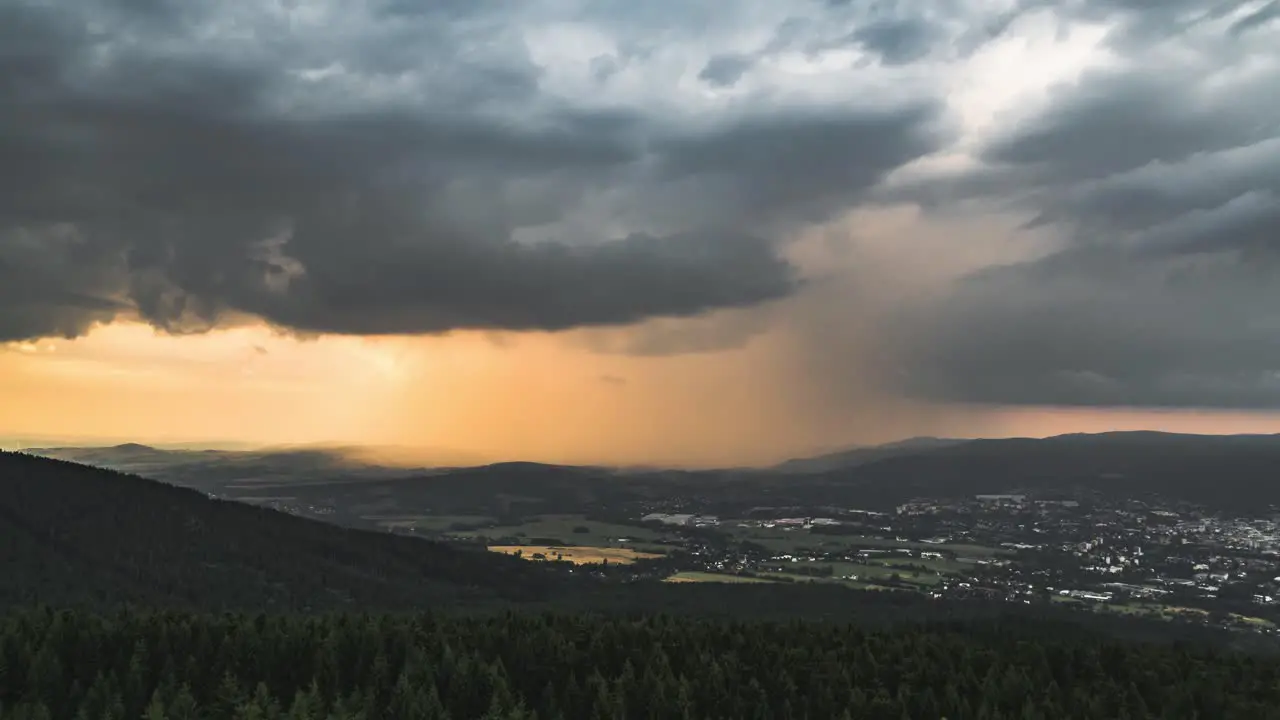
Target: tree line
[[520, 666]]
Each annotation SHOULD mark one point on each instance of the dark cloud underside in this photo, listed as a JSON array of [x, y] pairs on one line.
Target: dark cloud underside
[[185, 186]]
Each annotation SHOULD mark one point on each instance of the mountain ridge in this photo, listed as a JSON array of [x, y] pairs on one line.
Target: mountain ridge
[[81, 534], [1225, 471], [848, 457]]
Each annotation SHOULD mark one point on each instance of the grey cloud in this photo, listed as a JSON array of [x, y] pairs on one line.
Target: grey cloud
[[515, 287], [1164, 184], [55, 283], [1257, 18], [804, 167], [895, 33], [1250, 221], [993, 28], [192, 185], [1101, 327], [1160, 193], [1116, 122], [1134, 24], [716, 332], [898, 41], [725, 70], [604, 67]]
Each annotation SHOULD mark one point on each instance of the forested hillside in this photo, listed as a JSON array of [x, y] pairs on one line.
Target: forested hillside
[[181, 667], [1232, 472], [71, 534]]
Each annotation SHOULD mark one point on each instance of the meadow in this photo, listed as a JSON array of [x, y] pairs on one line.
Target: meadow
[[694, 576], [576, 554]]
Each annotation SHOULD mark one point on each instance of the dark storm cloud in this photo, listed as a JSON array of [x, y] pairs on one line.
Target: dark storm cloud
[[1163, 182], [725, 70], [891, 34], [517, 287], [1119, 121], [145, 171], [804, 166], [898, 41], [1102, 327]]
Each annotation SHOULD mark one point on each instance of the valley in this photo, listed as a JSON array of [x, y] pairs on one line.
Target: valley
[[1109, 524]]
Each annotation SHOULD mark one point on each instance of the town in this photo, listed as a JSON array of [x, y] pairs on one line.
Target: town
[[1168, 559], [1137, 556]]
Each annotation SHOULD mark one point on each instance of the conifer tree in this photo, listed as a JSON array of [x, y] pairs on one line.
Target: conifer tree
[[155, 709], [184, 705]]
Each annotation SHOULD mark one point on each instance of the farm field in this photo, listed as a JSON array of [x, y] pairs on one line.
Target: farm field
[[578, 555], [869, 574], [568, 530], [960, 549], [693, 576], [427, 523], [942, 565]]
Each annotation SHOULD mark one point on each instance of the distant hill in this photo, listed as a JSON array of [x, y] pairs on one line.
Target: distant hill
[[72, 534], [125, 454], [118, 457], [863, 455], [211, 471], [1217, 470]]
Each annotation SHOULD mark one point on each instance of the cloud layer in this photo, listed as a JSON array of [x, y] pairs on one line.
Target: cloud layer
[[1163, 171], [402, 170], [394, 167]]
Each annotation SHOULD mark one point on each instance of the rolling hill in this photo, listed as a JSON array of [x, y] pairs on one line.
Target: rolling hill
[[1221, 472], [863, 455], [1227, 471], [73, 534]]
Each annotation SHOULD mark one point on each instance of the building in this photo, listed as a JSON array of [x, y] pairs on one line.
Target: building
[[1002, 499], [669, 518]]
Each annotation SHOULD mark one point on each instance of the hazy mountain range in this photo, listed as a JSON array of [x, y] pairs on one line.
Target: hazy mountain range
[[309, 458], [1221, 471], [861, 455]]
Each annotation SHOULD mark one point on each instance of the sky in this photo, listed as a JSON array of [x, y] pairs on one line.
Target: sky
[[692, 233]]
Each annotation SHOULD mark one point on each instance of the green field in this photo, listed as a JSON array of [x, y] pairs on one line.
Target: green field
[[960, 549], [427, 523], [691, 576], [577, 555], [870, 575], [561, 528], [941, 565]]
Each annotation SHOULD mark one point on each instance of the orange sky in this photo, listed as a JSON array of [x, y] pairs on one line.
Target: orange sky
[[799, 376], [538, 397]]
